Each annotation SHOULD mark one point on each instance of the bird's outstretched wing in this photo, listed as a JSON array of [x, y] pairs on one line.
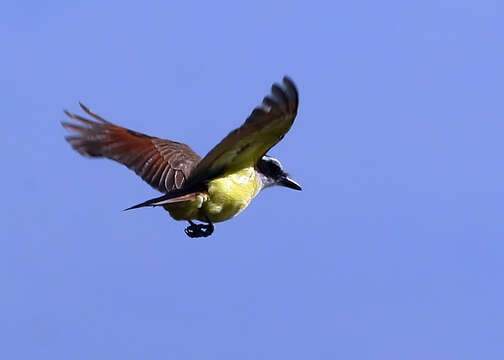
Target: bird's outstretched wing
[[243, 147], [163, 164]]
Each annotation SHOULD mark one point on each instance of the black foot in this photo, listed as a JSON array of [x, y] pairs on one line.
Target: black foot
[[199, 230]]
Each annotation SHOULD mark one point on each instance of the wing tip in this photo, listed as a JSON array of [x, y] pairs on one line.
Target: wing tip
[[291, 89], [83, 107], [285, 95], [287, 80]]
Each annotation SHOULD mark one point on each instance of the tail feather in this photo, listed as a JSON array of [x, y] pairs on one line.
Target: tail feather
[[165, 199]]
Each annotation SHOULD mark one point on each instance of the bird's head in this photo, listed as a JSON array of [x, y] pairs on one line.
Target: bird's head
[[272, 173]]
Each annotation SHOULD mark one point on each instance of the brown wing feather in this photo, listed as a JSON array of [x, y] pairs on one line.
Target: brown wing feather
[[266, 126], [163, 164]]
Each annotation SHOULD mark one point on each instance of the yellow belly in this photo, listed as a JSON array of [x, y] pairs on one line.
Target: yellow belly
[[226, 197]]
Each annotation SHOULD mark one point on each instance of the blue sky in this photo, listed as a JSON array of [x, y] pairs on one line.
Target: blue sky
[[393, 250]]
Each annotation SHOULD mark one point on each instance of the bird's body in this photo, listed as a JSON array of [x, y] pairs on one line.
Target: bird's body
[[211, 189], [226, 197]]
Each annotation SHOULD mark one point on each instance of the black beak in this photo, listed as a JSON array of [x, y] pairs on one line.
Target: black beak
[[288, 182]]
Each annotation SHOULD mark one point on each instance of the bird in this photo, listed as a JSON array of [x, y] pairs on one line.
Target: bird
[[211, 189]]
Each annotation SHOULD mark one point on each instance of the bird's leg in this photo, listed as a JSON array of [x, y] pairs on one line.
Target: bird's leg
[[199, 230], [192, 230], [208, 228]]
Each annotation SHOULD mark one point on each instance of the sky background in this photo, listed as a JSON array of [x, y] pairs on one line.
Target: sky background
[[393, 250]]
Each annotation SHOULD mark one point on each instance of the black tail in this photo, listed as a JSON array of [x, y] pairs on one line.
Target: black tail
[[170, 198]]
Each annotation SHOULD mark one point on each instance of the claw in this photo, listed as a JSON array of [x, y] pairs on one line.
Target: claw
[[199, 230]]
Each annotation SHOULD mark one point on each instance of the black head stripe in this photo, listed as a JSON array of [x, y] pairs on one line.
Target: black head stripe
[[270, 167]]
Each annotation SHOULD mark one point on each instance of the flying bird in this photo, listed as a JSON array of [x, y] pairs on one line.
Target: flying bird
[[210, 189]]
